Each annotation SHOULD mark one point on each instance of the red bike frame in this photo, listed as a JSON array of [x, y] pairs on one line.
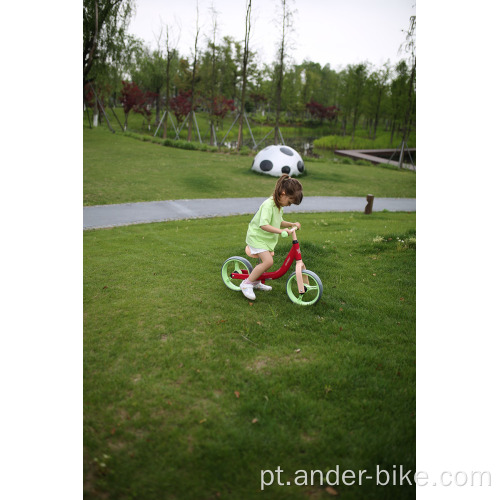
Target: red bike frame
[[293, 254]]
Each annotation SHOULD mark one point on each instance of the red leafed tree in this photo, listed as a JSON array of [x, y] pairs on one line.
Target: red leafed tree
[[258, 99], [317, 110], [181, 105], [132, 98], [145, 107], [88, 95], [331, 112], [221, 106]]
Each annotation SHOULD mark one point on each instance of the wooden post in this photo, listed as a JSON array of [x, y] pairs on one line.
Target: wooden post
[[369, 206]]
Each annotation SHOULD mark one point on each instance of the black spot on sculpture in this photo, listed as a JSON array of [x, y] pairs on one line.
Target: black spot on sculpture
[[266, 165], [287, 151]]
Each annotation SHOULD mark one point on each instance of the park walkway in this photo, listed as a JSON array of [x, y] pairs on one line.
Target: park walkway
[[105, 216]]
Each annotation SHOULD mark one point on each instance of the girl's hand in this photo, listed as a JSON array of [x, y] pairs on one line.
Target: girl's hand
[[297, 224]]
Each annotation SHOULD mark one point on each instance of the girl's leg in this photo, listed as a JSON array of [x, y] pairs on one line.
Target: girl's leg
[[247, 285], [267, 262]]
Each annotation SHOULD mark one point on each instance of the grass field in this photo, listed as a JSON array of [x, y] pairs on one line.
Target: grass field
[[190, 390], [120, 169]]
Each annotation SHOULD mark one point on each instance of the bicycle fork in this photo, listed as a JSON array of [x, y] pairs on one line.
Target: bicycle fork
[[301, 281]]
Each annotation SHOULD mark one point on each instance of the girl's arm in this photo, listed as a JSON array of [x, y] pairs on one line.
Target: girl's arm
[[290, 224], [284, 224], [271, 229]]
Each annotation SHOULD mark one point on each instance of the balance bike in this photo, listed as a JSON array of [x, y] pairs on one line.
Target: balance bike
[[303, 286]]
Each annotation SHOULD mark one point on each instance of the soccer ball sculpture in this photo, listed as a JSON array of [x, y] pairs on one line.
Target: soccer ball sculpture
[[278, 160]]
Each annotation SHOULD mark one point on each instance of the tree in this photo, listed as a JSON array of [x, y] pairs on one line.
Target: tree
[[107, 49], [244, 73], [132, 98], [230, 59], [146, 105], [410, 47], [216, 107], [220, 107], [182, 77], [149, 75], [171, 55], [321, 112], [310, 79], [356, 75], [181, 105], [258, 99], [376, 90], [193, 76], [398, 86], [105, 24], [286, 22]]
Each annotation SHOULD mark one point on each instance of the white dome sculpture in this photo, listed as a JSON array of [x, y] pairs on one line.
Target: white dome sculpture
[[278, 160]]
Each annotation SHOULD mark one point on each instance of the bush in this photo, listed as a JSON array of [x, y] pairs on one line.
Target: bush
[[383, 141]]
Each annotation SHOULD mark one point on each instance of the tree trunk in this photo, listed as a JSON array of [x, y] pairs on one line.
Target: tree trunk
[[167, 95], [96, 112], [193, 80], [190, 125], [406, 126], [157, 118], [212, 137], [409, 106], [279, 83], [377, 113], [354, 123], [244, 75]]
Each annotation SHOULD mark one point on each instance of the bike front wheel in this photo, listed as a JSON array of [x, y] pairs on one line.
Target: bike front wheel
[[238, 265], [313, 292]]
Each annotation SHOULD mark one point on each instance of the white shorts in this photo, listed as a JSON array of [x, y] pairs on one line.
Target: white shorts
[[257, 250]]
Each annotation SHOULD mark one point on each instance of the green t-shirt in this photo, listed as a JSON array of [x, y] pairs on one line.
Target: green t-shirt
[[268, 213]]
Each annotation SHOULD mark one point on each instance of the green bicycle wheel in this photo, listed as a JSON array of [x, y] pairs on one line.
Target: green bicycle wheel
[[234, 265], [313, 291]]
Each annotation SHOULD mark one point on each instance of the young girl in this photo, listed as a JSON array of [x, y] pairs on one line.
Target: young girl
[[265, 228]]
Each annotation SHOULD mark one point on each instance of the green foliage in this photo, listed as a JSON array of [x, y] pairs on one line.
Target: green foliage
[[106, 46], [347, 142], [181, 144], [295, 132], [363, 93], [190, 390]]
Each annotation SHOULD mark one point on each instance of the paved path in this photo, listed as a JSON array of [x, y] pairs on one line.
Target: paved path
[[102, 216]]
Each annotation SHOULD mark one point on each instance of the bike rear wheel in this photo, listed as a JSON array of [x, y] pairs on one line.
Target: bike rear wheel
[[238, 265]]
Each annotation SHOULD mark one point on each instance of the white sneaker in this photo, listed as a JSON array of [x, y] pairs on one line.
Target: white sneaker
[[260, 286], [247, 289]]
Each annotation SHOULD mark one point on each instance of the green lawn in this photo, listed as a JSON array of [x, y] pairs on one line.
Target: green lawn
[[120, 169], [190, 390]]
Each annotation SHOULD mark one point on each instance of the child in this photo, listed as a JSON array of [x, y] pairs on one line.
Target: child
[[265, 228]]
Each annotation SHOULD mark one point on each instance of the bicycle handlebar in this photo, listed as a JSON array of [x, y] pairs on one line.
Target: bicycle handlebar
[[284, 233]]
